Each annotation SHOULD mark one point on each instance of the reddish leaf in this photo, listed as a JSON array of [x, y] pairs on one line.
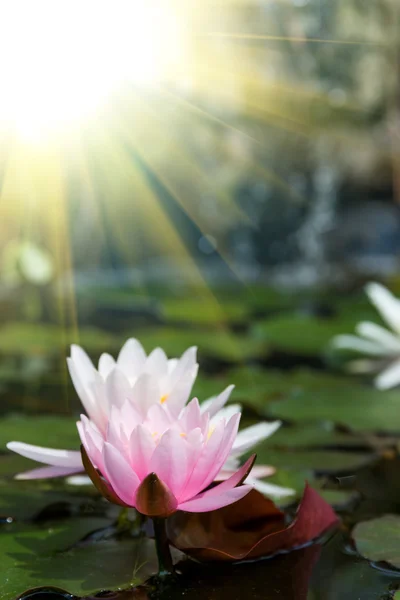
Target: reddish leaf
[[251, 528]]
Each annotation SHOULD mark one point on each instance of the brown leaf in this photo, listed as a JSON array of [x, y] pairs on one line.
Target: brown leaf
[[250, 528]]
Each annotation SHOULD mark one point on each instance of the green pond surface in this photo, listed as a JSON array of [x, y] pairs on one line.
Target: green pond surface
[[338, 433]]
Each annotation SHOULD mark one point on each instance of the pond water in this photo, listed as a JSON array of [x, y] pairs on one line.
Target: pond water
[[338, 433]]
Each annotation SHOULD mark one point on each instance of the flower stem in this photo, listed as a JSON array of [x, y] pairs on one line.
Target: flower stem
[[165, 564]]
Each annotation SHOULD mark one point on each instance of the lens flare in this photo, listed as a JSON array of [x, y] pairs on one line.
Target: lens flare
[[61, 61]]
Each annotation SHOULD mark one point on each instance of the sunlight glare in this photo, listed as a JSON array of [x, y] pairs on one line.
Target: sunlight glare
[[60, 60]]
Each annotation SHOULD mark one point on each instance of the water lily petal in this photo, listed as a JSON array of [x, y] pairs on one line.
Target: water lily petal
[[386, 303], [269, 489], [169, 461], [352, 342], [389, 342], [131, 358], [141, 447], [389, 378], [205, 503], [49, 472], [120, 474], [49, 456], [215, 404], [106, 364], [118, 388], [251, 436]]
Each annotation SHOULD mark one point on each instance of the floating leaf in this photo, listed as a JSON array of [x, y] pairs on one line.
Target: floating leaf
[[339, 400], [320, 461], [48, 556], [302, 334], [199, 311], [379, 539], [250, 528], [58, 432]]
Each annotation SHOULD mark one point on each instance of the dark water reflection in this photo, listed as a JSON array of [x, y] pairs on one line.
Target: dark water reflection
[[312, 573]]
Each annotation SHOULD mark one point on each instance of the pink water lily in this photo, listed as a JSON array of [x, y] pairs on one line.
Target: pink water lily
[[161, 456], [66, 462], [145, 382]]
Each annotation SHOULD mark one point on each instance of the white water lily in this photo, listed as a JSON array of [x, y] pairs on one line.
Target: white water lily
[[378, 343], [134, 376], [142, 382]]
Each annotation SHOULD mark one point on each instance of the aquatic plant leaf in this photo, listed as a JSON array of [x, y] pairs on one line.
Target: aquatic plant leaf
[[303, 334], [378, 540], [50, 556], [203, 312], [250, 528], [13, 500], [319, 461], [59, 432], [343, 401], [226, 346]]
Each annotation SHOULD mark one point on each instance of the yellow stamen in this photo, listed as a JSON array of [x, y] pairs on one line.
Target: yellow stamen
[[210, 432], [163, 398]]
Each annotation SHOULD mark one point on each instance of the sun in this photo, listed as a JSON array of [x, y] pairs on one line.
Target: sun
[[62, 60]]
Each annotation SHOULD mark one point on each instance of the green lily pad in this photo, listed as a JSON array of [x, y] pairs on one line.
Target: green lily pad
[[342, 576], [302, 334], [340, 400], [41, 494], [38, 339], [341, 500], [51, 431], [378, 540], [314, 435], [202, 312], [33, 556], [255, 387], [219, 344], [319, 461]]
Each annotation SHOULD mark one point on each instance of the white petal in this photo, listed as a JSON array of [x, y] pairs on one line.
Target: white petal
[[352, 342], [48, 472], [82, 389], [83, 364], [269, 489], [180, 393], [226, 413], [386, 303], [118, 388], [145, 393], [389, 378], [251, 436], [48, 456], [184, 364], [79, 480], [172, 364], [131, 358], [106, 365], [215, 404], [157, 363], [389, 342]]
